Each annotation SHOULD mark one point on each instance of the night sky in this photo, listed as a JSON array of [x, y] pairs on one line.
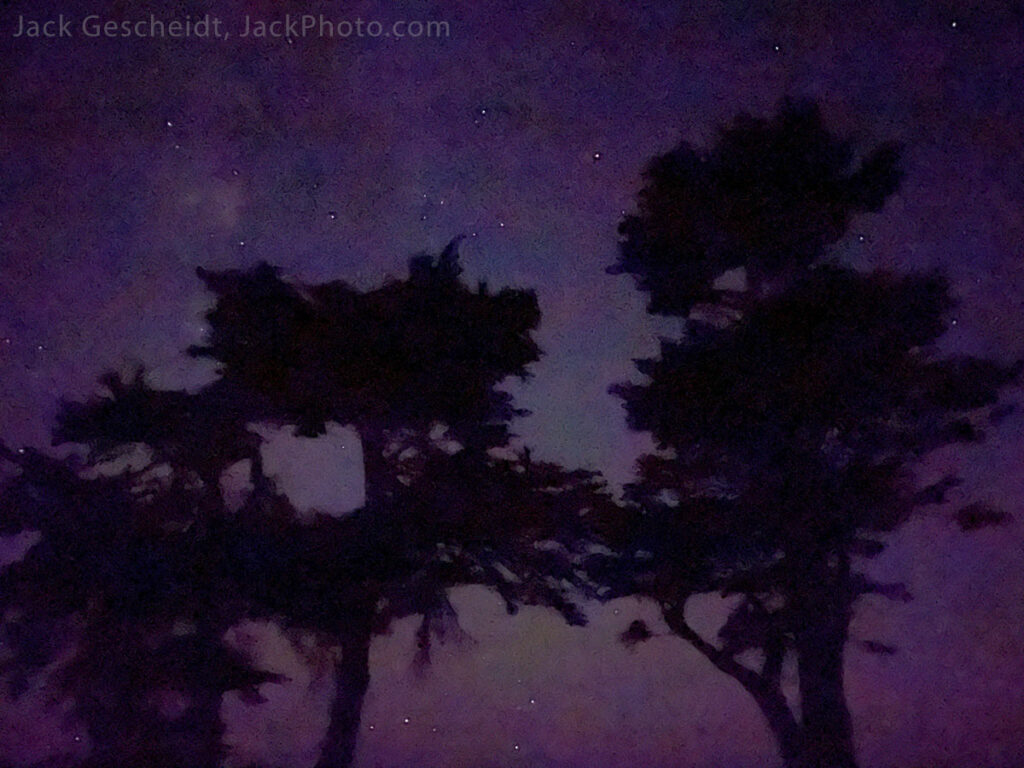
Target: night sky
[[127, 162]]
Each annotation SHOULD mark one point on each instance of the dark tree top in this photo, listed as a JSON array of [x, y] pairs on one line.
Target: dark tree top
[[770, 196], [407, 354]]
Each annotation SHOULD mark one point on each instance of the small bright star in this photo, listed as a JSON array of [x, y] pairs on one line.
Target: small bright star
[[241, 242], [515, 747], [597, 155], [333, 215], [953, 25], [373, 727], [501, 223], [533, 701], [405, 720], [169, 124]]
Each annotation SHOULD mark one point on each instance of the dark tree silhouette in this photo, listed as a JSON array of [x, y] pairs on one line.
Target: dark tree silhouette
[[789, 413], [413, 366], [122, 579]]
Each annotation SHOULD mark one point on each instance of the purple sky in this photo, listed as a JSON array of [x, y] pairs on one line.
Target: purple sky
[[125, 163]]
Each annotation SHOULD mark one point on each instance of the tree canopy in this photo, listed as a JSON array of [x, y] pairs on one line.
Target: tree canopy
[[413, 367], [789, 413]]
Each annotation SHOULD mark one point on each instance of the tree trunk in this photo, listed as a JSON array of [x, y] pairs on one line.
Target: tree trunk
[[377, 478], [827, 731], [201, 729], [351, 680], [206, 733]]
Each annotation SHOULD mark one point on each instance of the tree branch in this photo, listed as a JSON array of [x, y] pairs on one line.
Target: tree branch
[[725, 662], [764, 688]]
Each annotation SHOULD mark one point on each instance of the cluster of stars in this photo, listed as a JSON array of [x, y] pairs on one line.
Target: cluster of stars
[[446, 202], [407, 720], [170, 124], [8, 341]]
